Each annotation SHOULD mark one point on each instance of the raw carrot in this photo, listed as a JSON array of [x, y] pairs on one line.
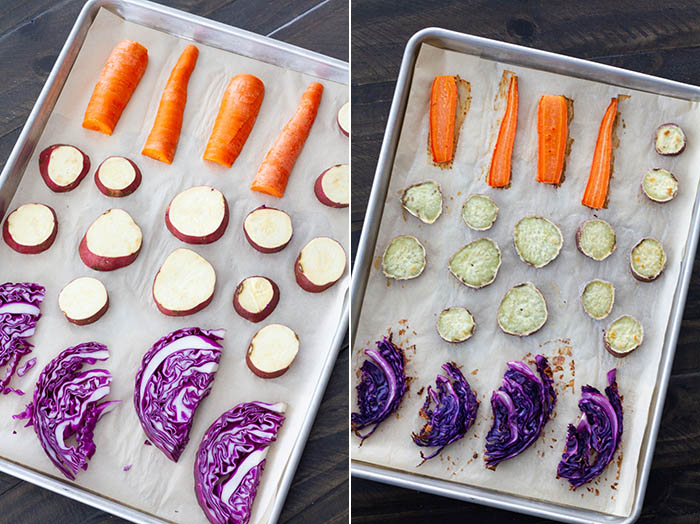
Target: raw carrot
[[552, 134], [121, 74], [443, 112], [599, 178], [499, 172], [273, 173], [165, 134], [237, 114]]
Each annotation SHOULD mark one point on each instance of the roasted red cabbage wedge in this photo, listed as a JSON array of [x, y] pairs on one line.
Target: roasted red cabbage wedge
[[19, 312], [453, 411], [382, 387], [66, 406], [521, 408], [231, 458], [176, 374], [592, 443]]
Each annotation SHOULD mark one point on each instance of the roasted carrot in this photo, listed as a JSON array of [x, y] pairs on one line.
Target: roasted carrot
[[443, 112], [237, 114], [121, 74], [273, 173], [599, 178], [552, 134], [165, 134], [499, 172]]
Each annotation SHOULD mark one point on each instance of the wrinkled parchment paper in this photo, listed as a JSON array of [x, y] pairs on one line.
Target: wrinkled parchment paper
[[570, 339], [154, 484]]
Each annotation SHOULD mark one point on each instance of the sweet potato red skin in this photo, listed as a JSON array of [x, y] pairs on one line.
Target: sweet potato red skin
[[207, 239], [30, 250], [100, 263], [261, 315], [44, 157], [119, 193]]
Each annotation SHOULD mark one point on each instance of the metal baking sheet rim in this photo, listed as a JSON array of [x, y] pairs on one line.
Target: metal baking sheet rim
[[552, 62], [207, 32]]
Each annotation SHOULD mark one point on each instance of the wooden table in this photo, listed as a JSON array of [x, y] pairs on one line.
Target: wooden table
[[32, 34], [643, 35]]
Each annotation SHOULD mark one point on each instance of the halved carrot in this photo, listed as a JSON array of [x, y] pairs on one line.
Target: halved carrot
[[599, 178], [120, 76], [499, 172], [237, 114], [165, 134], [552, 134], [443, 112], [273, 173]]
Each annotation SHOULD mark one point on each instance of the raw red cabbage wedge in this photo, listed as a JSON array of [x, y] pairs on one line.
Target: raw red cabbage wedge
[[521, 408], [19, 312], [592, 443], [454, 412], [67, 404], [382, 387], [176, 374], [231, 458]]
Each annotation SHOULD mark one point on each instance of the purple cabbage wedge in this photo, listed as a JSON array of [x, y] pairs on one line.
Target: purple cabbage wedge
[[19, 312], [521, 408], [176, 374], [454, 412], [67, 404], [382, 387], [591, 445], [231, 459]]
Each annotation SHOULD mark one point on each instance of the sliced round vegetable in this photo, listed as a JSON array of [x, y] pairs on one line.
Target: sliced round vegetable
[[404, 258], [230, 460], [176, 374], [647, 260], [67, 404], [476, 264], [623, 336], [455, 324], [268, 230], [479, 212], [117, 177], [598, 298], [659, 185], [111, 242], [184, 284], [670, 140], [537, 240], [523, 310], [83, 301], [30, 229], [320, 264], [63, 167], [344, 118], [596, 239], [272, 351], [198, 215], [423, 201], [255, 298], [332, 187]]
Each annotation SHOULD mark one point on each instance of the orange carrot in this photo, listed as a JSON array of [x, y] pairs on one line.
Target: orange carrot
[[552, 133], [237, 114], [121, 74], [165, 134], [273, 173], [499, 173], [599, 178], [443, 112]]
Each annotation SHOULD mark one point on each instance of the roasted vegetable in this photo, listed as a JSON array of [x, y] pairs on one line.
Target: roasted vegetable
[[449, 409], [596, 239], [455, 324], [382, 387], [521, 408], [523, 310], [552, 137], [423, 201], [592, 443], [476, 264], [443, 114], [598, 298], [500, 170], [647, 260], [659, 185], [596, 194], [623, 336], [537, 240], [479, 212], [403, 258], [670, 140]]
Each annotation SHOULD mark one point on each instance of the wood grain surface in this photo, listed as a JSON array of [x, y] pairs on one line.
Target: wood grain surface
[[661, 39], [32, 33]]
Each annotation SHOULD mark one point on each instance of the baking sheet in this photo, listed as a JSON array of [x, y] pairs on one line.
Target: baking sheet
[[154, 484], [571, 341]]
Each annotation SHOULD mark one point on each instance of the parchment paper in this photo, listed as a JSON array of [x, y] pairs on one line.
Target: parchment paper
[[132, 324], [570, 339]]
